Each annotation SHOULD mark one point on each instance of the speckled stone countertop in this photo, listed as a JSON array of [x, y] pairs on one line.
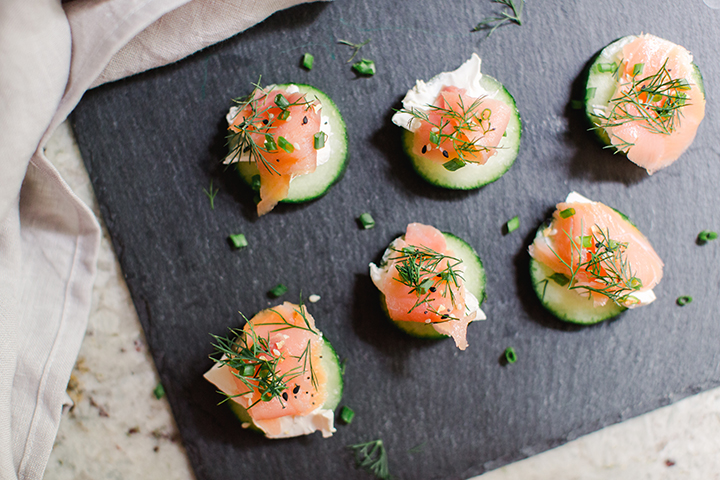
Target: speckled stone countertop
[[118, 429]]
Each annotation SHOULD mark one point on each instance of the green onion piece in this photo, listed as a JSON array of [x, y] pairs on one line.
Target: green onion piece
[[255, 182], [425, 286], [278, 290], [568, 212], [454, 164], [584, 240], [284, 115], [248, 371], [638, 68], [510, 355], [513, 224], [606, 67], [684, 300], [281, 101], [365, 67], [590, 93], [319, 140], [238, 240], [285, 145], [367, 221], [707, 235], [435, 138], [559, 278], [270, 144], [346, 415], [636, 283], [308, 61], [159, 391]]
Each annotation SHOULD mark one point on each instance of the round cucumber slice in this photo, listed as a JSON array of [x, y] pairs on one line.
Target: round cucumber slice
[[475, 281], [473, 176], [602, 83], [314, 185]]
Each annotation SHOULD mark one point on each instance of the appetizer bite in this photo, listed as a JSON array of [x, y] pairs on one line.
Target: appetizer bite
[[289, 142], [589, 262], [645, 98], [279, 374], [462, 129], [431, 284]]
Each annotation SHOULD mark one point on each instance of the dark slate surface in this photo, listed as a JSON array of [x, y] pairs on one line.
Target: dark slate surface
[[153, 142]]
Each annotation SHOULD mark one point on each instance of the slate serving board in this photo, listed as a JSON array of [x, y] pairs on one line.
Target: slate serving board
[[153, 142]]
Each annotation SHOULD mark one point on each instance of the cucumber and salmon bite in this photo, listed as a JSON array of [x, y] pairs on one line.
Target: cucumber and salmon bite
[[431, 284], [462, 129], [590, 263], [645, 98], [279, 374], [289, 142]]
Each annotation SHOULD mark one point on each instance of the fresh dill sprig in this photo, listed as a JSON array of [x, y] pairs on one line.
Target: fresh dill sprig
[[211, 194], [355, 46], [372, 457], [514, 15], [425, 272], [655, 100]]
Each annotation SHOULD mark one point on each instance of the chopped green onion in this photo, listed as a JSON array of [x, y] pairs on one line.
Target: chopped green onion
[[684, 300], [707, 235], [365, 67], [584, 240], [278, 290], [281, 101], [638, 68], [308, 61], [319, 140], [568, 212], [367, 221], [454, 164], [270, 144], [285, 145], [255, 182], [284, 115], [636, 283], [159, 391], [559, 278], [590, 93], [425, 286], [248, 371], [238, 240], [513, 224], [510, 355], [435, 138], [606, 67], [346, 415]]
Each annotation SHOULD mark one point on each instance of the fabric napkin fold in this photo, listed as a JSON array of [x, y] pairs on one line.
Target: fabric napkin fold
[[51, 53]]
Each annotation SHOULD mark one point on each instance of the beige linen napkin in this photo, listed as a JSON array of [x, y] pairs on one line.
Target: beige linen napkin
[[50, 54]]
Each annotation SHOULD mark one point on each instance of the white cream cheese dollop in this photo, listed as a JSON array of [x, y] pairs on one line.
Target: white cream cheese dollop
[[467, 76]]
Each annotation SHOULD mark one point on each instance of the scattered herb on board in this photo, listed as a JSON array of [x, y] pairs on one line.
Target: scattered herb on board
[[159, 391], [513, 224], [365, 67], [707, 235], [307, 61], [366, 221], [372, 457], [347, 414], [684, 300], [211, 194], [510, 355], [418, 448], [355, 46], [238, 240], [514, 15], [278, 290]]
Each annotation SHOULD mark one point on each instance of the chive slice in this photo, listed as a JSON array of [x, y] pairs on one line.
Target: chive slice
[[367, 221], [568, 212], [319, 140], [347, 414], [684, 300], [559, 278], [159, 391], [238, 240], [248, 371], [365, 67], [255, 183], [454, 164], [638, 69], [435, 138], [425, 286], [606, 67], [513, 224], [707, 235], [278, 290], [281, 101], [270, 144], [584, 240], [285, 145], [510, 355], [590, 93], [284, 115], [308, 61]]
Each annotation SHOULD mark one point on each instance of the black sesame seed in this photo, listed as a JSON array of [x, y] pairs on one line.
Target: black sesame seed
[[433, 289], [285, 396], [296, 389], [305, 120], [424, 149], [446, 154], [265, 121]]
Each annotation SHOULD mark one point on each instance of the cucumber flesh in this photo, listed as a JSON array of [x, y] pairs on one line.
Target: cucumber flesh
[[473, 176], [308, 187]]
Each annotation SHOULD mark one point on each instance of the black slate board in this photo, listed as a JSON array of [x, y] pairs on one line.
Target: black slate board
[[152, 143]]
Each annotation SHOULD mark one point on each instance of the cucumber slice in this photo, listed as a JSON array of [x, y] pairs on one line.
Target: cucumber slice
[[473, 176], [334, 386], [601, 83], [314, 185], [475, 281], [567, 305]]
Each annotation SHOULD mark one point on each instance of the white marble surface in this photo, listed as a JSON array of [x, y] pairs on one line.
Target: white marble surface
[[118, 429]]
